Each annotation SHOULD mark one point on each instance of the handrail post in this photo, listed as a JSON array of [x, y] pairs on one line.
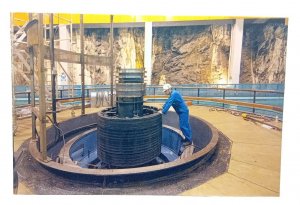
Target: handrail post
[[88, 92], [223, 97], [254, 100], [28, 98]]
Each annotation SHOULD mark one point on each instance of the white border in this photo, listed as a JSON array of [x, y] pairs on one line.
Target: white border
[[290, 171]]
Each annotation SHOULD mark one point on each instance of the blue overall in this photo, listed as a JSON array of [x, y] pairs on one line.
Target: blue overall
[[176, 101]]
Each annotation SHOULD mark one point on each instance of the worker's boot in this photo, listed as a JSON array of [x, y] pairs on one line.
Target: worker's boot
[[185, 144]]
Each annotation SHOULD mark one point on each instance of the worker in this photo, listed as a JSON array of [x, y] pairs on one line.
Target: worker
[[176, 101]]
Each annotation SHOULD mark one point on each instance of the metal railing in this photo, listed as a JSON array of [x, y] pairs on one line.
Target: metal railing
[[221, 96], [269, 102]]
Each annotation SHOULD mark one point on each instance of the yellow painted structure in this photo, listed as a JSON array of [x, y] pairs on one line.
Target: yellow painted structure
[[63, 18]]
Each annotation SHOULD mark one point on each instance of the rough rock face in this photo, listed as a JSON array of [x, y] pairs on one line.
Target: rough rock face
[[191, 54], [129, 47], [128, 50], [96, 42], [194, 54], [181, 55], [264, 53], [186, 54]]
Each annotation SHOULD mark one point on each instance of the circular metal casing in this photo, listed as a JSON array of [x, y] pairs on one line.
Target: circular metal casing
[[129, 142]]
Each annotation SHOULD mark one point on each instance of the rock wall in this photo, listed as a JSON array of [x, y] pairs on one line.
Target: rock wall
[[128, 50], [186, 54], [129, 47], [194, 54], [264, 53], [181, 55], [96, 42], [191, 54]]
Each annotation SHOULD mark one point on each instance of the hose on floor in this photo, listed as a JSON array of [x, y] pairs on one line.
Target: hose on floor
[[61, 133]]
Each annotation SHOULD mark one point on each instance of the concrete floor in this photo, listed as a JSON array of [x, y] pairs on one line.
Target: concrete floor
[[254, 168]]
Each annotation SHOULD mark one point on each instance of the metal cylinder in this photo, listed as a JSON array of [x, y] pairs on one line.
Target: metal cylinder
[[131, 75], [129, 142], [130, 90], [130, 134]]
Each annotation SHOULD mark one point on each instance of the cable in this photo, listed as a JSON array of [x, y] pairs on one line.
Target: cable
[[56, 139], [62, 134]]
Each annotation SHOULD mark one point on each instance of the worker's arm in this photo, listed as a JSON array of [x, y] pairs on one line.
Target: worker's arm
[[168, 104]]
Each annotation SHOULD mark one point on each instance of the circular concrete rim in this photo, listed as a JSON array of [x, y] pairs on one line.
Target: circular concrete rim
[[127, 171]]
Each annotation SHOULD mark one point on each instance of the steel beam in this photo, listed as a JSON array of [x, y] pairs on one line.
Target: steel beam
[[111, 61], [70, 56], [32, 90], [82, 65], [53, 70], [42, 96]]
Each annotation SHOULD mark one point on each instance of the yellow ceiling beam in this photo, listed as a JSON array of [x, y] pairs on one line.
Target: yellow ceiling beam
[[63, 18]]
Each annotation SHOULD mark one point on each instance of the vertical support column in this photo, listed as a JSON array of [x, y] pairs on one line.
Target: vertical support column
[[14, 125], [111, 61], [32, 87], [82, 65], [148, 52], [235, 51], [42, 96], [53, 70]]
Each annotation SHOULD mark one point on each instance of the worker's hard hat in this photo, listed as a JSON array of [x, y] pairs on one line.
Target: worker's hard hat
[[166, 87]]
